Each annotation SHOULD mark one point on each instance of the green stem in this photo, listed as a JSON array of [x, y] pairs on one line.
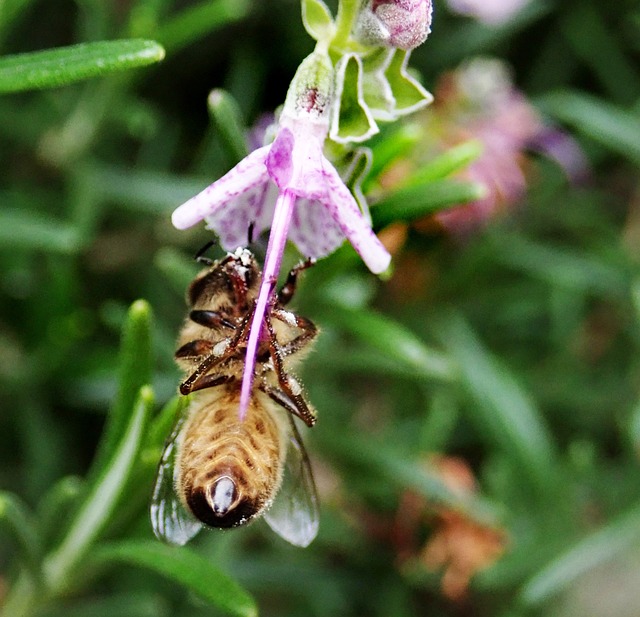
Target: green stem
[[347, 13]]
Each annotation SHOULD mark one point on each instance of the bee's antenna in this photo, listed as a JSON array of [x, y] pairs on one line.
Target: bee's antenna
[[250, 231], [199, 256]]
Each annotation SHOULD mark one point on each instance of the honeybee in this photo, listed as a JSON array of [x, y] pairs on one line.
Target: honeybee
[[218, 470]]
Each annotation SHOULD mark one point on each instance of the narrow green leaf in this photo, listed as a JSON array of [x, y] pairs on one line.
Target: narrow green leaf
[[194, 22], [408, 204], [227, 117], [609, 542], [134, 368], [317, 20], [185, 567], [15, 516], [451, 161], [95, 512], [502, 410], [391, 339], [393, 143], [36, 231], [608, 124], [58, 67]]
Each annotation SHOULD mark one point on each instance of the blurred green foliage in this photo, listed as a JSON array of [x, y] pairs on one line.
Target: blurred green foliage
[[515, 349]]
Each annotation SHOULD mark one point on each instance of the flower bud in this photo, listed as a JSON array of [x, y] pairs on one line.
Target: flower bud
[[310, 92], [403, 24]]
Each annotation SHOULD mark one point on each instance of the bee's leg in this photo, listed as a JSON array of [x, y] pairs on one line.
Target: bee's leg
[[289, 288], [289, 395], [197, 377], [211, 319], [195, 349], [308, 329], [199, 256], [295, 405], [208, 381]]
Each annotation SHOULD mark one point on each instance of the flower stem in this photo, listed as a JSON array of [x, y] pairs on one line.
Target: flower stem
[[275, 249], [347, 12]]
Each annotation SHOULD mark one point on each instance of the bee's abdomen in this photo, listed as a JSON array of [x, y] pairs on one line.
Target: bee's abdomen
[[229, 470]]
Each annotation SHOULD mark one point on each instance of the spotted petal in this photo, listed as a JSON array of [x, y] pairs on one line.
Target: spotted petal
[[231, 201], [341, 206]]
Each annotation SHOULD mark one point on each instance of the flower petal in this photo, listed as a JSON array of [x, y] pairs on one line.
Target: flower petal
[[313, 230], [252, 209], [224, 193], [344, 210]]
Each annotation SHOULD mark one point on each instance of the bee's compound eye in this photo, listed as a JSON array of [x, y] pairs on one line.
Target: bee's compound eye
[[222, 495]]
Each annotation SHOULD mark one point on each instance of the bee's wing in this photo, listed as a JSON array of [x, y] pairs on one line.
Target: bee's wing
[[170, 520], [294, 514]]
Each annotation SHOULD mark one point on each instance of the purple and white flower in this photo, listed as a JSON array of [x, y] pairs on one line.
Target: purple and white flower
[[291, 187], [403, 24]]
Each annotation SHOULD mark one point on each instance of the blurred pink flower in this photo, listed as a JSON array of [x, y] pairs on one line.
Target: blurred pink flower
[[479, 101], [487, 107], [490, 12]]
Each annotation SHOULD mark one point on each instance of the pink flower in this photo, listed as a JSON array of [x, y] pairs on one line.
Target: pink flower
[[291, 187], [403, 24]]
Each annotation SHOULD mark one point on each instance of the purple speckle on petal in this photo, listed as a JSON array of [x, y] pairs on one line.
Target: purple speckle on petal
[[279, 161]]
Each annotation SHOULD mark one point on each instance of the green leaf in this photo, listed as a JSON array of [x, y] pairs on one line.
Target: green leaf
[[317, 20], [608, 124], [394, 143], [502, 410], [227, 117], [185, 567], [98, 507], [194, 22], [391, 339], [59, 67], [451, 161], [611, 541], [351, 120], [416, 201], [134, 370], [15, 515]]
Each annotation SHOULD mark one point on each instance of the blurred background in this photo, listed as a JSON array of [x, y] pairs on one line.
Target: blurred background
[[478, 438]]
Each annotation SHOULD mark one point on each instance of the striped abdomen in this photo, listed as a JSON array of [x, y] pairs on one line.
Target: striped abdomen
[[229, 471]]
